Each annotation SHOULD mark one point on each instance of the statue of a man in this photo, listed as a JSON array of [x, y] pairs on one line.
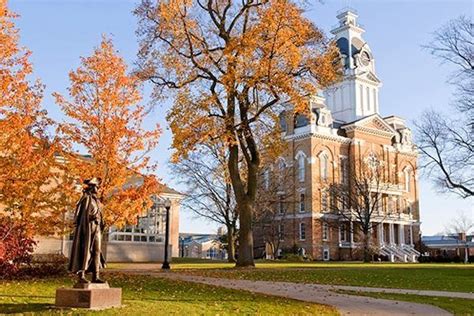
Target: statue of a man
[[86, 255]]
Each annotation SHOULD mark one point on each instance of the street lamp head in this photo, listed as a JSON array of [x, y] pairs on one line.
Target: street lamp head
[[167, 203]]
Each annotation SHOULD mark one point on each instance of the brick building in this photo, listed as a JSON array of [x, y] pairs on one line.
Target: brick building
[[344, 128]]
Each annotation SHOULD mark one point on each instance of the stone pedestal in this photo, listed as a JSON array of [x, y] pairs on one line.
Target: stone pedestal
[[89, 295]]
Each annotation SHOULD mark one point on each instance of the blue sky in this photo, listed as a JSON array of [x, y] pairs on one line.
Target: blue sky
[[59, 31]]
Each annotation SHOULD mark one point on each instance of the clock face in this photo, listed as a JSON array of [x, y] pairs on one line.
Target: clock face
[[365, 58]]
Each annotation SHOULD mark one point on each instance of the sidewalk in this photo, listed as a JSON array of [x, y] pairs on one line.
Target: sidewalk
[[321, 294]]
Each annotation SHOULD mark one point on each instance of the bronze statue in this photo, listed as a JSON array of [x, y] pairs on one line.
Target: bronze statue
[[86, 255]]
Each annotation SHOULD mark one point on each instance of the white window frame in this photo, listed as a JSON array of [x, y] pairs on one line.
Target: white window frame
[[302, 231], [328, 257]]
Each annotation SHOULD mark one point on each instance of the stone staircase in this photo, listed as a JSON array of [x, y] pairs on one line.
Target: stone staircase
[[401, 253]]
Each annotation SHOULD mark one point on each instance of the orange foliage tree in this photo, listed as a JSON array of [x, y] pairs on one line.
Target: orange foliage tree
[[233, 66], [30, 172], [106, 119]]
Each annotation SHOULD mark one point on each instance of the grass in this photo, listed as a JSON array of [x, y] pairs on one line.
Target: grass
[[144, 295], [457, 306], [439, 277]]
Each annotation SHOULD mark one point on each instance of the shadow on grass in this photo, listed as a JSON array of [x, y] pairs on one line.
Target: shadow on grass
[[11, 308]]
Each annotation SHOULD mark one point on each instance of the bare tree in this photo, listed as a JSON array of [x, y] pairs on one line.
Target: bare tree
[[446, 141], [453, 44], [447, 148], [275, 199], [359, 200], [209, 192], [462, 223]]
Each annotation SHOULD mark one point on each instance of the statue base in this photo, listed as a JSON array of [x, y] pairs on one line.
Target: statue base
[[89, 295]]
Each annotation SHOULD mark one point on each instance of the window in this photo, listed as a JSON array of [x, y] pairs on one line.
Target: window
[[344, 171], [324, 201], [324, 166], [374, 98], [281, 205], [325, 231], [281, 232], [361, 97], [408, 208], [301, 168], [302, 231], [302, 202], [407, 180], [368, 99], [342, 232], [326, 254], [266, 179]]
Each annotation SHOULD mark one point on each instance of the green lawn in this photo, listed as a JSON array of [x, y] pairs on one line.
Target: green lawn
[[440, 277], [144, 295], [457, 306]]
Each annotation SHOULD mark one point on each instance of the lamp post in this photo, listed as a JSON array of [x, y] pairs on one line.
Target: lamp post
[[166, 264]]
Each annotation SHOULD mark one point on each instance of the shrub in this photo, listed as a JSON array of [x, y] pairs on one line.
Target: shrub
[[16, 247], [44, 266]]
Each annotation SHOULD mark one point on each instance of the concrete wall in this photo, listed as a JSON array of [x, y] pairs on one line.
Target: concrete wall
[[116, 251]]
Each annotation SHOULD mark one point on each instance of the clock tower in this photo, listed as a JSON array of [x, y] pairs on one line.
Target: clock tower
[[357, 95]]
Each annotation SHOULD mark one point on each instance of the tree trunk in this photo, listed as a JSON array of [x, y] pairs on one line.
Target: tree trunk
[[367, 246], [230, 244], [245, 258]]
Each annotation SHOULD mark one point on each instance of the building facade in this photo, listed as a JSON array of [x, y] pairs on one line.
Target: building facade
[[344, 128]]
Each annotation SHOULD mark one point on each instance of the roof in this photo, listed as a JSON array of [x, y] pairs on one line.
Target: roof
[[198, 238], [447, 241]]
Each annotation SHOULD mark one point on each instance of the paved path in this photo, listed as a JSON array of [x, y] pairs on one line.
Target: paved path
[[315, 293]]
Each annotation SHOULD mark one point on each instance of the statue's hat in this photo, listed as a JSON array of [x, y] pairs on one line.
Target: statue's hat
[[93, 181]]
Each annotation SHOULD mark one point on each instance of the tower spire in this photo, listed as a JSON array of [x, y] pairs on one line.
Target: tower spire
[[357, 95]]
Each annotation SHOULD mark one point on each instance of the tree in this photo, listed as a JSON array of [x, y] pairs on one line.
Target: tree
[[359, 199], [232, 66], [453, 44], [209, 193], [461, 224], [275, 200], [30, 171], [106, 120], [445, 141]]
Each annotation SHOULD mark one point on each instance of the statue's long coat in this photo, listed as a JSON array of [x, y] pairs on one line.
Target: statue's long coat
[[82, 254]]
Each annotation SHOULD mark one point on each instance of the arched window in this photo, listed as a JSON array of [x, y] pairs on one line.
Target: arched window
[[324, 162], [301, 168]]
